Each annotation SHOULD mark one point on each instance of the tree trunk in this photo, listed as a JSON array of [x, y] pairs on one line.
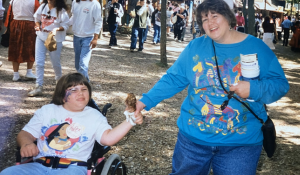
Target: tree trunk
[[251, 18], [163, 36]]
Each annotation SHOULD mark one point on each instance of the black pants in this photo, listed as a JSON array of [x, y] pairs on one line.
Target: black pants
[[177, 32], [112, 30], [286, 36]]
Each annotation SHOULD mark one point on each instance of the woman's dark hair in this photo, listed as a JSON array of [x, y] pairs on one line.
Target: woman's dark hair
[[59, 4], [266, 21], [66, 81], [55, 132], [170, 8], [217, 6]]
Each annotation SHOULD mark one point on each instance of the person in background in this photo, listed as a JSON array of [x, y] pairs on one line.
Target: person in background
[[150, 11], [22, 36], [240, 22], [114, 20], [139, 26], [180, 23], [1, 20], [269, 32], [168, 21], [176, 7], [227, 140], [87, 23], [295, 40], [157, 25], [286, 26], [186, 21], [51, 16], [60, 127]]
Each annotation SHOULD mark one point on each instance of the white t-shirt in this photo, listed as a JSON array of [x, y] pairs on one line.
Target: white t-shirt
[[48, 24], [1, 10], [23, 10], [66, 134], [86, 18]]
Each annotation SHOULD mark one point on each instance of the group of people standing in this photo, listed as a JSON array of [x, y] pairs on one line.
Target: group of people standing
[[30, 27]]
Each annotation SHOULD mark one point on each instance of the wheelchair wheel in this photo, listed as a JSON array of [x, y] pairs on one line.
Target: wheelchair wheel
[[114, 166]]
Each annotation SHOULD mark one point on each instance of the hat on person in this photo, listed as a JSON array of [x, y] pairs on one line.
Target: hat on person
[[182, 5]]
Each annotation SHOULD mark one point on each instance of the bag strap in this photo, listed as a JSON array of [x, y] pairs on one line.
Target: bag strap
[[219, 77], [11, 11]]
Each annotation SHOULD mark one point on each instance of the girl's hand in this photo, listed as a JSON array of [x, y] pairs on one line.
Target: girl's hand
[[37, 28], [242, 89], [29, 150]]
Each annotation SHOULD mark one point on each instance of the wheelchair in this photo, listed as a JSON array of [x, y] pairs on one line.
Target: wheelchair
[[97, 164]]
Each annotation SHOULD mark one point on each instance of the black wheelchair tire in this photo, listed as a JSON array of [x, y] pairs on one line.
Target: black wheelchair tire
[[112, 164]]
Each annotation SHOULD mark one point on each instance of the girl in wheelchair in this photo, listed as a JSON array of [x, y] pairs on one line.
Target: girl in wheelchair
[[65, 131]]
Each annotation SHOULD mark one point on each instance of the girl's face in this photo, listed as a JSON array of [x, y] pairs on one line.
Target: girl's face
[[76, 98], [216, 26]]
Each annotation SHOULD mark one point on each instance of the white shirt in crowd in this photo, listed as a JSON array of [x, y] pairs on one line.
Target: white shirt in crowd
[[86, 18], [23, 10], [1, 10], [66, 134], [51, 21]]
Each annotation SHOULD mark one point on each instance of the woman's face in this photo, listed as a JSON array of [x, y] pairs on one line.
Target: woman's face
[[62, 132], [215, 26], [76, 98]]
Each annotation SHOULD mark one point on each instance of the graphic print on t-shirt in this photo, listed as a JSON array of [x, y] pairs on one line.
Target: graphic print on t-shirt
[[47, 20], [207, 88], [60, 137], [86, 10]]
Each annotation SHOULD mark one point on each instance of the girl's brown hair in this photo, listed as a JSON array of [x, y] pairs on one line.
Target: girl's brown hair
[[66, 81]]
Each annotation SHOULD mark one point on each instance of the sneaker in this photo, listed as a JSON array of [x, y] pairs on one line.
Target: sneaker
[[16, 78], [153, 43], [131, 50], [176, 39], [38, 90], [179, 41], [30, 76], [140, 50]]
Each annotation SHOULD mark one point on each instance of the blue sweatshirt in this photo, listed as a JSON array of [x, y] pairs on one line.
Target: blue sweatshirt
[[201, 119]]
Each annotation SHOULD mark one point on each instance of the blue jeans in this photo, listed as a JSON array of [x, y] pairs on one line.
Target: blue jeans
[[190, 158], [137, 32], [82, 54], [146, 33], [112, 30], [156, 37], [38, 169]]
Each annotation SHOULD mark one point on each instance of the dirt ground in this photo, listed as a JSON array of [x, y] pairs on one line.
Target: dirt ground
[[148, 148]]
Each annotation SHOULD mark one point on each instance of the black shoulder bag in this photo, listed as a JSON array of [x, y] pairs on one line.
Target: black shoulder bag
[[268, 127]]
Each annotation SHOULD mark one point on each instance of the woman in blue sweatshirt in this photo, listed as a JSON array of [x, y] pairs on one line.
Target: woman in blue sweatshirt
[[227, 139]]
